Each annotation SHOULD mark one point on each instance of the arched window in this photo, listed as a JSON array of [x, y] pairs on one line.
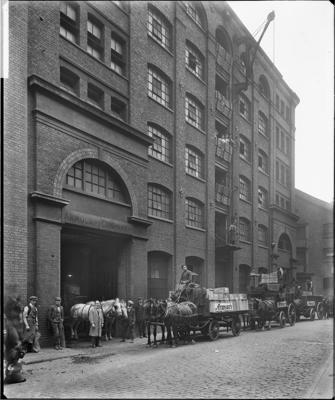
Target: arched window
[[262, 235], [263, 161], [263, 198], [159, 86], [284, 243], [245, 233], [245, 188], [194, 213], [194, 60], [194, 162], [264, 87], [159, 202], [194, 111], [262, 124], [161, 148], [159, 28], [95, 177], [196, 12], [245, 107]]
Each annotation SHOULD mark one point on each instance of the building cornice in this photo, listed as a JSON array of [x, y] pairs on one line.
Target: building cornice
[[39, 84]]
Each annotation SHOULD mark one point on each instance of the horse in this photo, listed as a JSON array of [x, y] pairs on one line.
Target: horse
[[154, 311], [178, 319], [266, 310], [80, 312]]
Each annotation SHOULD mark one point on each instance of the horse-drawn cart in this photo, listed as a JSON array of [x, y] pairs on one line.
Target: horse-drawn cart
[[309, 305], [220, 310]]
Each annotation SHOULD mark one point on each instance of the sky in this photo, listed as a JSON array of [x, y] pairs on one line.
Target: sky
[[300, 42]]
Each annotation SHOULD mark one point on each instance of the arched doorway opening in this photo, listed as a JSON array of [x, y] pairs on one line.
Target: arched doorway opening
[[159, 274]]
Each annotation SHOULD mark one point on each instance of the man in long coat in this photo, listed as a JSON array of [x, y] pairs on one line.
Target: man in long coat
[[30, 319], [96, 319]]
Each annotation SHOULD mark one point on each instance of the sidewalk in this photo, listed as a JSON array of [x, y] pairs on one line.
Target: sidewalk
[[83, 348]]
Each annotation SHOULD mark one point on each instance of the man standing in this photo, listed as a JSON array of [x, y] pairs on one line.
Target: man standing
[[56, 319], [186, 276], [30, 319], [139, 316], [96, 318], [131, 320]]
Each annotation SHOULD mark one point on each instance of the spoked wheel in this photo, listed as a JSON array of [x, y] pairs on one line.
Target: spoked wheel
[[213, 330], [312, 314], [291, 314], [282, 320], [236, 326], [319, 311]]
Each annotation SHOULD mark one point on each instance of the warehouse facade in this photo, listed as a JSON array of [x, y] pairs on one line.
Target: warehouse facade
[[131, 149]]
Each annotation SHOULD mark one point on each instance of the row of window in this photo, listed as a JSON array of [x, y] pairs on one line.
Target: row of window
[[282, 173], [282, 108], [283, 142], [245, 232], [283, 202]]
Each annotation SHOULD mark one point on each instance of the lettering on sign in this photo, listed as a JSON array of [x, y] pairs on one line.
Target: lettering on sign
[[310, 303], [224, 306], [281, 304]]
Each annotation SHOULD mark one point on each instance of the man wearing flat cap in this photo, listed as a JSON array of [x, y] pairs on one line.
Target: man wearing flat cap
[[56, 319], [31, 334]]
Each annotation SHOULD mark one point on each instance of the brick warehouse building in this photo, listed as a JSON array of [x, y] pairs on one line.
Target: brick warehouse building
[[131, 147]]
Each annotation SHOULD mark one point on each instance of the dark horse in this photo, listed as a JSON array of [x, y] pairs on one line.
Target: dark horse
[[266, 310], [154, 311], [14, 350]]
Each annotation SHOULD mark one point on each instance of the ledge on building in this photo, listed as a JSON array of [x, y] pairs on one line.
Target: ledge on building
[[39, 196], [139, 221]]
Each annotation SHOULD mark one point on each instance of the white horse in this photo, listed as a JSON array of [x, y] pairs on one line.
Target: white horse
[[80, 312]]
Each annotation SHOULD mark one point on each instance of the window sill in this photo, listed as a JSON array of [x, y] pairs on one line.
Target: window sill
[[161, 161], [264, 136], [160, 44], [263, 246], [162, 105], [195, 228], [245, 118], [81, 192], [245, 160], [245, 241], [195, 127], [195, 75], [246, 201], [263, 209], [161, 219], [263, 172], [196, 177]]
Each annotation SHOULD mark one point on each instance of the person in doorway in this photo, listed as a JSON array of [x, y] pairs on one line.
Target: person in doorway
[[139, 316], [96, 319], [131, 320], [186, 276], [56, 320], [31, 334]]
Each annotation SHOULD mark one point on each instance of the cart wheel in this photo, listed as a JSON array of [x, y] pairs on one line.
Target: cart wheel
[[319, 311], [236, 326], [312, 314], [282, 320], [291, 314], [213, 330]]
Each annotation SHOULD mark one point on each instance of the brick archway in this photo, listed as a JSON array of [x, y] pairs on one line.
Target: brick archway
[[101, 156]]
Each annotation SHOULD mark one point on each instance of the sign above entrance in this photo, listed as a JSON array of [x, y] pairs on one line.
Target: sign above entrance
[[106, 224]]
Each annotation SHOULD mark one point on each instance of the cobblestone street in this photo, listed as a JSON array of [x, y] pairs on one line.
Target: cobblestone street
[[294, 362]]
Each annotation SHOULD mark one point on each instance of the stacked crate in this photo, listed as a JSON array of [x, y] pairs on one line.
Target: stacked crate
[[220, 300]]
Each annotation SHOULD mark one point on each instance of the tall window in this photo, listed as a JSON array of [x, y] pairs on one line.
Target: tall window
[[194, 213], [244, 231], [262, 235], [118, 108], [245, 148], [263, 161], [95, 95], [94, 38], [264, 87], [262, 124], [159, 28], [194, 60], [159, 202], [117, 54], [69, 21], [69, 80], [193, 112], [159, 87], [283, 173], [262, 197], [245, 189], [161, 148], [284, 243], [194, 162], [244, 107], [196, 13], [92, 176], [282, 201]]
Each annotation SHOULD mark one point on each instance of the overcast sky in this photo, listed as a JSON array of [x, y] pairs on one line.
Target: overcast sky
[[300, 41]]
